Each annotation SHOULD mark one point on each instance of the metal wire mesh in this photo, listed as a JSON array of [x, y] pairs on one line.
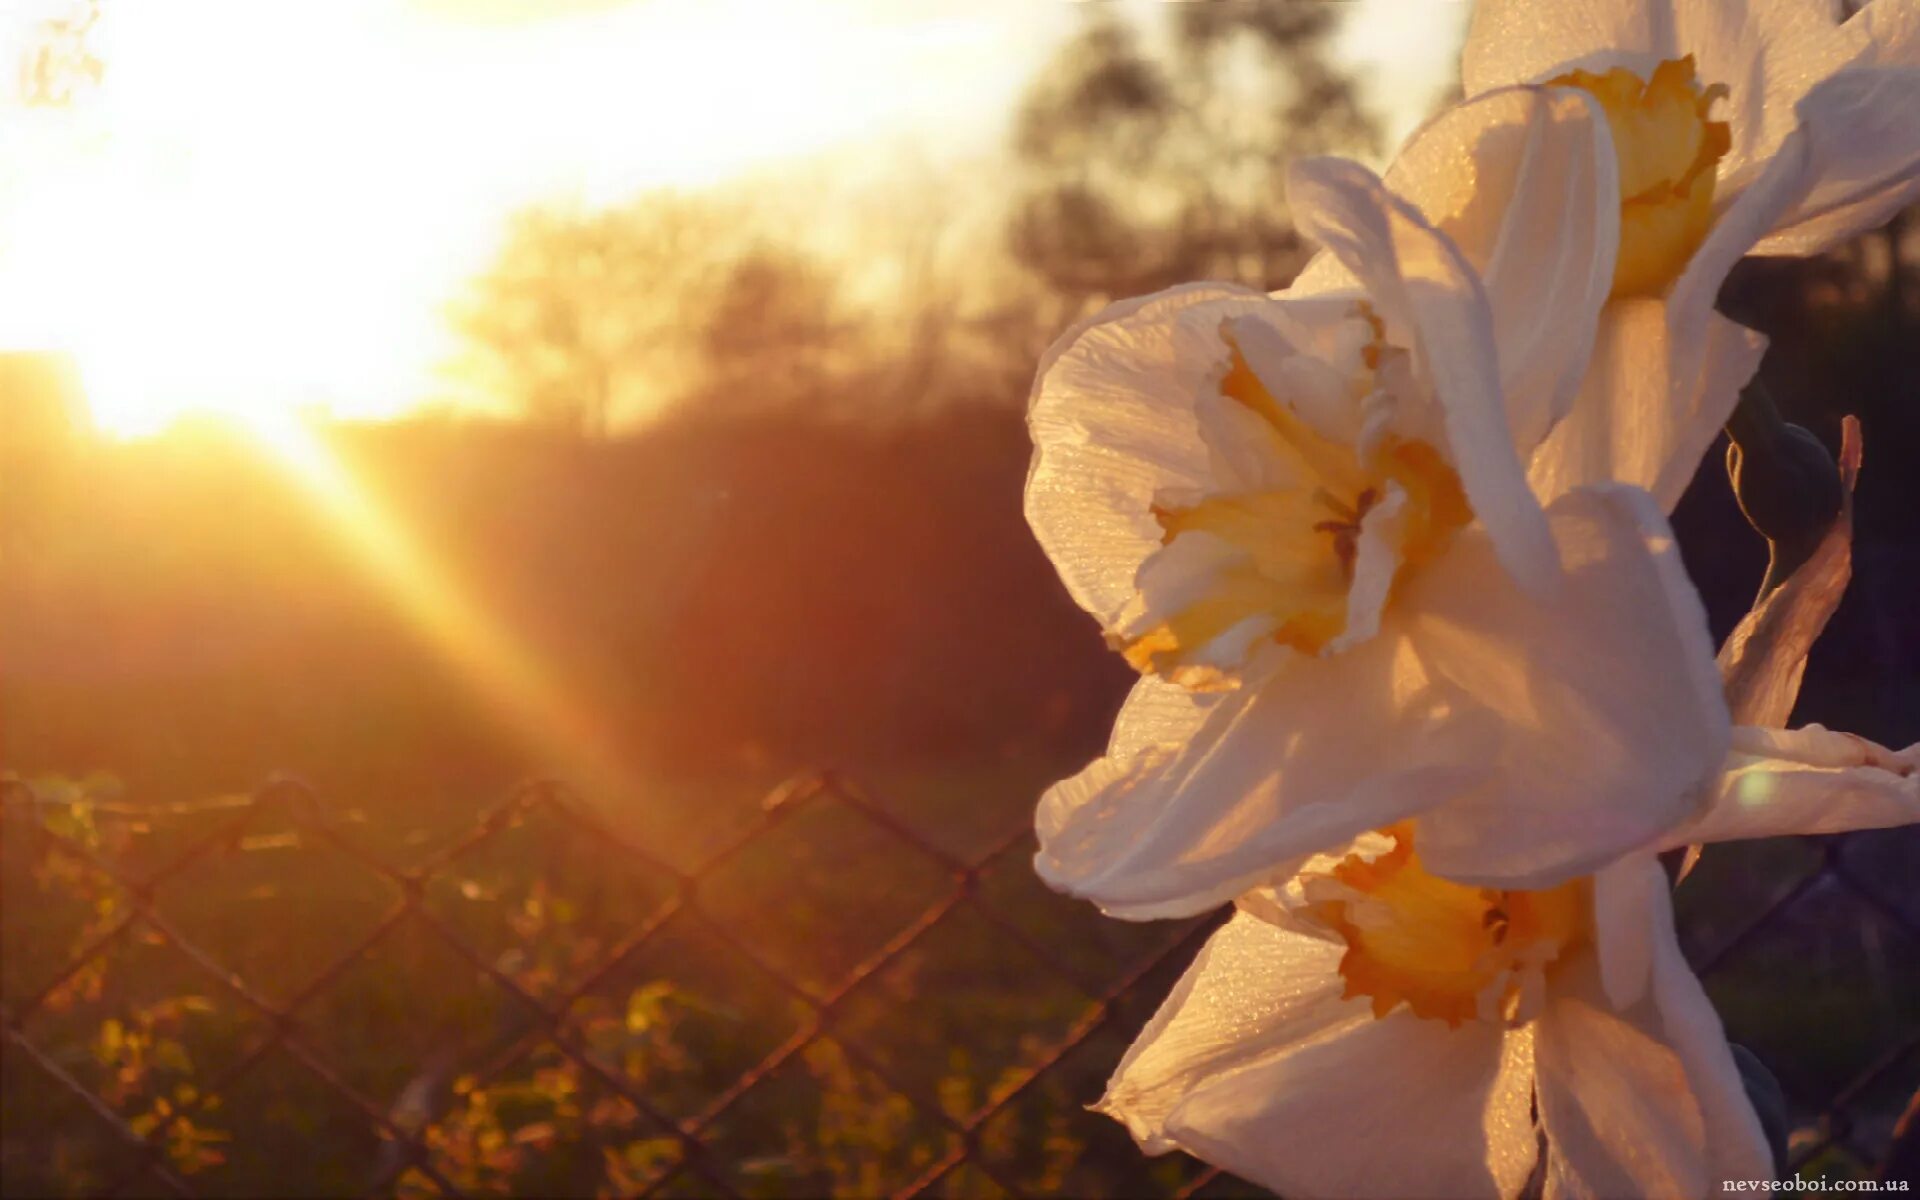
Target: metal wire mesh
[[240, 995]]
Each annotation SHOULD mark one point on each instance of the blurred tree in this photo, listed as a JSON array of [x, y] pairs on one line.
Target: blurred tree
[[580, 318], [1156, 156], [773, 331], [590, 318]]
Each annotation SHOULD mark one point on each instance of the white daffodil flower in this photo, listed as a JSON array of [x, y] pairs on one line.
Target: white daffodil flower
[[1741, 127], [1306, 520], [1368, 1003], [1370, 1029]]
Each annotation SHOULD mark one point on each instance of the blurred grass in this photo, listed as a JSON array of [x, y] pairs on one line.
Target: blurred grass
[[941, 1030], [950, 1024]]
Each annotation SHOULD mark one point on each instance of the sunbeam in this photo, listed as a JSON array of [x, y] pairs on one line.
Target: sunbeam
[[511, 681]]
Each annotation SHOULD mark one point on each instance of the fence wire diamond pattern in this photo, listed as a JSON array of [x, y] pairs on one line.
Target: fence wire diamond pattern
[[239, 996]]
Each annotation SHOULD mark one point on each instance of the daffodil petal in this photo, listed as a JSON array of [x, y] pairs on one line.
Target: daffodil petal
[[1771, 53], [1429, 296], [1736, 1145], [1375, 562], [1207, 594], [1524, 41], [1318, 752], [1781, 782], [1605, 695], [1113, 424], [1623, 905], [1766, 52], [1253, 992], [1293, 349], [1246, 452], [1157, 712], [1398, 1107], [1619, 1115], [1866, 144], [1884, 34], [1642, 1100], [1738, 226], [1525, 182], [1639, 421]]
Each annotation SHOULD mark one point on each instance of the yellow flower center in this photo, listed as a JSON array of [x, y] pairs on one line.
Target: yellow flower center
[[1447, 951], [1668, 153], [1300, 543]]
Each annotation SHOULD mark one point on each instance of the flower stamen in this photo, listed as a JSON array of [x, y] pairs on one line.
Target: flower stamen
[[1345, 528]]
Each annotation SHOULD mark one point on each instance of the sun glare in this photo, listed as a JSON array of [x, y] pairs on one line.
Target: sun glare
[[269, 208], [498, 665]]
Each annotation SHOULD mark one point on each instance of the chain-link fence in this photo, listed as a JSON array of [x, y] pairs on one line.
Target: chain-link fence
[[241, 997]]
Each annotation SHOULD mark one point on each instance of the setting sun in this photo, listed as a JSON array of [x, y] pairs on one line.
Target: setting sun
[[272, 207], [280, 227]]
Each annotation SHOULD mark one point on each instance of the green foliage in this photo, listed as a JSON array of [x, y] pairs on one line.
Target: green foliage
[[502, 1105]]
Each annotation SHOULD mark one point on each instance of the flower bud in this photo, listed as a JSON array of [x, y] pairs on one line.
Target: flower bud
[[1785, 480]]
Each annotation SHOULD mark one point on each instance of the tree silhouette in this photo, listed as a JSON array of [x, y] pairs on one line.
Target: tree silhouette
[[774, 331], [1156, 156], [579, 321], [591, 318]]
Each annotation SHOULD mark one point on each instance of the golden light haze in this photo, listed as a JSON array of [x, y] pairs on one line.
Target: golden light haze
[[268, 206]]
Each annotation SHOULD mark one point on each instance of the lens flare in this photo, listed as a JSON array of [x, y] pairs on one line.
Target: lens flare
[[512, 681]]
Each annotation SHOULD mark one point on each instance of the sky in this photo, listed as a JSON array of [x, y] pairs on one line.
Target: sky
[[270, 202]]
